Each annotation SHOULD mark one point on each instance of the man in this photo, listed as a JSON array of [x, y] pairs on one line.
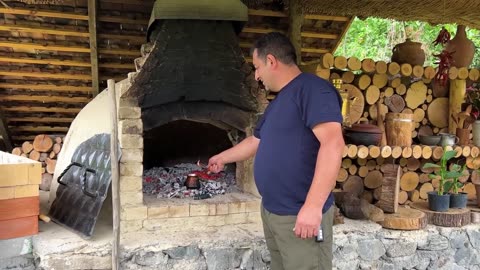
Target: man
[[292, 172]]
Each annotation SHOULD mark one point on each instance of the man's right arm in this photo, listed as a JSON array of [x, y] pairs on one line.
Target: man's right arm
[[242, 151]]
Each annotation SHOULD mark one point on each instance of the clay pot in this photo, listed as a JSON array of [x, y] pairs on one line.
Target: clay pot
[[363, 134], [408, 52], [462, 46]]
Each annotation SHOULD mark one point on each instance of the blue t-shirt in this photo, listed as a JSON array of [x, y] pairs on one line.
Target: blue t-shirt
[[287, 154]]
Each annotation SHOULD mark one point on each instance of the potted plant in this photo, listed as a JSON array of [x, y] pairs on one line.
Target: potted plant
[[440, 200], [457, 200]]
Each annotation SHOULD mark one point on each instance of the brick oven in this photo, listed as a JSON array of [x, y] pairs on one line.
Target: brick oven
[[193, 95]]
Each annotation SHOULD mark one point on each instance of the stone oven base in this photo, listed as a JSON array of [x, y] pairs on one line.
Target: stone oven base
[[189, 214], [357, 245]]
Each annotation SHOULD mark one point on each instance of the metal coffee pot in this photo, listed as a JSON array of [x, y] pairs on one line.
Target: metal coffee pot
[[448, 139]]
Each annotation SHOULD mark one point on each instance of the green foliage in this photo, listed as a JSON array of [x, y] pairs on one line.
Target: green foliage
[[444, 174], [375, 38], [454, 184]]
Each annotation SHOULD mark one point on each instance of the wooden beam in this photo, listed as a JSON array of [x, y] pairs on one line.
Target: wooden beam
[[55, 62], [344, 31], [245, 44], [315, 50], [38, 128], [41, 30], [133, 38], [85, 77], [5, 134], [319, 35], [23, 138], [116, 65], [33, 46], [295, 20], [39, 13], [46, 87], [120, 52], [326, 18], [92, 29], [45, 98], [41, 119], [40, 109], [266, 13], [123, 20], [260, 30]]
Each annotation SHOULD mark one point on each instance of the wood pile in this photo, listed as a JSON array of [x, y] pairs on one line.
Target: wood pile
[[45, 149], [398, 88], [378, 88], [365, 170]]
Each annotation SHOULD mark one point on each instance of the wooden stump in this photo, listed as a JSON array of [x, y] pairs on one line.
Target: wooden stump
[[451, 218], [475, 212], [390, 187], [405, 219]]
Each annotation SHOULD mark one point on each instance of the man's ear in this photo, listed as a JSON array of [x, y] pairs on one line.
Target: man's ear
[[271, 60]]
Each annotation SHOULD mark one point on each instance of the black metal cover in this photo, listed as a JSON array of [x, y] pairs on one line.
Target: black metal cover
[[83, 186]]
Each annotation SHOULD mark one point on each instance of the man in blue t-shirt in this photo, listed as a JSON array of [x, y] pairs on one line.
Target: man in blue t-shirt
[[298, 148]]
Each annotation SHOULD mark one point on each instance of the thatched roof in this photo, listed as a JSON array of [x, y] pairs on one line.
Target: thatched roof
[[465, 12]]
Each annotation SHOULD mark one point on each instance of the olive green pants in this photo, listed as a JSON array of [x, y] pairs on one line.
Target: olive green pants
[[289, 252]]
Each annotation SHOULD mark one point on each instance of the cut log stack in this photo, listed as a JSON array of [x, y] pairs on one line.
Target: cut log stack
[[45, 149], [378, 89], [402, 88]]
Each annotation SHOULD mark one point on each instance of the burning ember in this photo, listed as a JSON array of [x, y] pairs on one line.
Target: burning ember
[[169, 182]]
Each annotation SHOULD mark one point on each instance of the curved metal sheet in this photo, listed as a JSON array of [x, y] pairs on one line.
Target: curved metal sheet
[[84, 186]]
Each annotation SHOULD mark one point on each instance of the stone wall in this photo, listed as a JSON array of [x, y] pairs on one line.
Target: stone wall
[[357, 245]]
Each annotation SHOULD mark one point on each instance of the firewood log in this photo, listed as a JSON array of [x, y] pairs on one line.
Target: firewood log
[[363, 81], [348, 77], [381, 67], [393, 68], [406, 69], [380, 80], [56, 148], [474, 74], [368, 65], [323, 73], [34, 155], [395, 103], [407, 152], [367, 195], [427, 152], [362, 152], [429, 72], [417, 151], [413, 164], [452, 73], [409, 181], [469, 188], [326, 60], [438, 112], [340, 62], [363, 171], [352, 170], [424, 189], [27, 147], [417, 71], [42, 143], [416, 95], [354, 185], [395, 82], [401, 89], [353, 63], [17, 151], [373, 179], [402, 197], [423, 178], [372, 94], [51, 163], [58, 139]]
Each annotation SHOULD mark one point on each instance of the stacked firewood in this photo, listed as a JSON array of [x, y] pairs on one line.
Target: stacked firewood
[[399, 88], [44, 149]]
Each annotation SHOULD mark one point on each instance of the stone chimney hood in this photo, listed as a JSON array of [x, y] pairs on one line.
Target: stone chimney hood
[[194, 68]]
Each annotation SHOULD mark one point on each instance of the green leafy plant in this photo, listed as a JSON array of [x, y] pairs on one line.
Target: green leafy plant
[[454, 184], [443, 173]]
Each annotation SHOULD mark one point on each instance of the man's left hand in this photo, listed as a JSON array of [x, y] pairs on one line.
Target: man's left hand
[[308, 221]]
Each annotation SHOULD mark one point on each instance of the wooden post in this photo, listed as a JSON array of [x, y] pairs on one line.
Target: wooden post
[[115, 176], [295, 31], [92, 29], [5, 134], [458, 89]]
